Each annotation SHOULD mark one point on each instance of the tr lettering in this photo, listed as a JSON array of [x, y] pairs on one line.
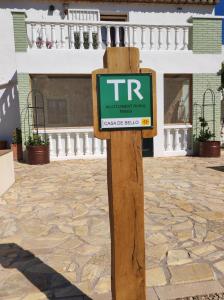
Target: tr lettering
[[133, 86]]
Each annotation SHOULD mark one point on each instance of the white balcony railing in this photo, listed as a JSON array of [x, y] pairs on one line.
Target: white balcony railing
[[79, 143], [99, 35], [177, 140], [74, 143]]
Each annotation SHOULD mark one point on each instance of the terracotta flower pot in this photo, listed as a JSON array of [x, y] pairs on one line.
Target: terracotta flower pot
[[209, 149], [38, 155], [17, 150], [3, 145]]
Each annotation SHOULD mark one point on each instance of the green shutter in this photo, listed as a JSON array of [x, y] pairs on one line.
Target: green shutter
[[20, 33]]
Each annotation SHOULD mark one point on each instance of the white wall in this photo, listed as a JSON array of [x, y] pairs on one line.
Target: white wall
[[138, 13], [75, 61], [7, 52], [7, 176], [9, 111], [9, 105]]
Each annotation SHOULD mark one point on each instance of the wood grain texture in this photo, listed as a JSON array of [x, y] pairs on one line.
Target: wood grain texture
[[126, 202], [126, 198]]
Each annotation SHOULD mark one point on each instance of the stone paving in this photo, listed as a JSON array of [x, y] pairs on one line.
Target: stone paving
[[54, 228]]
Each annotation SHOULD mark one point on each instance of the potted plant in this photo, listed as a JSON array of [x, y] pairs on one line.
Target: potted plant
[[37, 150], [207, 148], [16, 145]]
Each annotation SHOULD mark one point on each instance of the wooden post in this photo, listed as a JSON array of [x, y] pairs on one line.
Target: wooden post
[[125, 187], [126, 199], [126, 202]]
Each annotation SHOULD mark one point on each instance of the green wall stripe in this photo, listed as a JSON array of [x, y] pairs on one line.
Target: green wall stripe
[[20, 33], [23, 91], [200, 83], [206, 36]]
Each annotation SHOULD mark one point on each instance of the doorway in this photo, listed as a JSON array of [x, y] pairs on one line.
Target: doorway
[[147, 147], [113, 18]]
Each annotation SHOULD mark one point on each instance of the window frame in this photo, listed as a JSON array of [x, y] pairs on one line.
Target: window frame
[[81, 75], [114, 17], [187, 76]]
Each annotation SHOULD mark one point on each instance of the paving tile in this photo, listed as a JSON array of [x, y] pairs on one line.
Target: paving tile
[[220, 266], [203, 249], [188, 290], [155, 277], [191, 273], [178, 257]]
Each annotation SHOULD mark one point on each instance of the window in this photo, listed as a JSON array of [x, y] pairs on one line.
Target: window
[[114, 17], [57, 112], [67, 100], [177, 99]]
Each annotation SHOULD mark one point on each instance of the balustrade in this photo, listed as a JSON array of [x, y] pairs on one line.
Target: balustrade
[[101, 34], [72, 143], [177, 139], [78, 143]]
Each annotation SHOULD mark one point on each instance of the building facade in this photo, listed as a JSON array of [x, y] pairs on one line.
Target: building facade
[[48, 50]]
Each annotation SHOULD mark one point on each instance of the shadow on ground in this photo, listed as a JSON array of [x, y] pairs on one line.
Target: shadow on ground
[[219, 168], [46, 279]]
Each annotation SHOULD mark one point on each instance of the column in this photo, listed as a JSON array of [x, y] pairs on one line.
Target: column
[[117, 36], [53, 40], [43, 35], [176, 142], [68, 144], [90, 36], [143, 38], [34, 35], [168, 141], [59, 144], [108, 36], [99, 37], [77, 142], [72, 37], [62, 36], [81, 37]]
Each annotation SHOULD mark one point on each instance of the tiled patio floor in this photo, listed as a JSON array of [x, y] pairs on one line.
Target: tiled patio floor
[[54, 229]]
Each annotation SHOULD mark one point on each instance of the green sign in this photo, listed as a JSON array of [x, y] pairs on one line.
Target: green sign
[[125, 101]]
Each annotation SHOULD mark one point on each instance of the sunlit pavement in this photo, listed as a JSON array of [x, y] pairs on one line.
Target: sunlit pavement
[[54, 229]]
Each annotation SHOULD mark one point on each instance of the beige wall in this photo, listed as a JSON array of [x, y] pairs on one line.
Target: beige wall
[[7, 176]]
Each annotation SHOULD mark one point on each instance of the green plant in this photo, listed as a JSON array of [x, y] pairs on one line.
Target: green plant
[[85, 40], [205, 133], [17, 136], [36, 140]]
